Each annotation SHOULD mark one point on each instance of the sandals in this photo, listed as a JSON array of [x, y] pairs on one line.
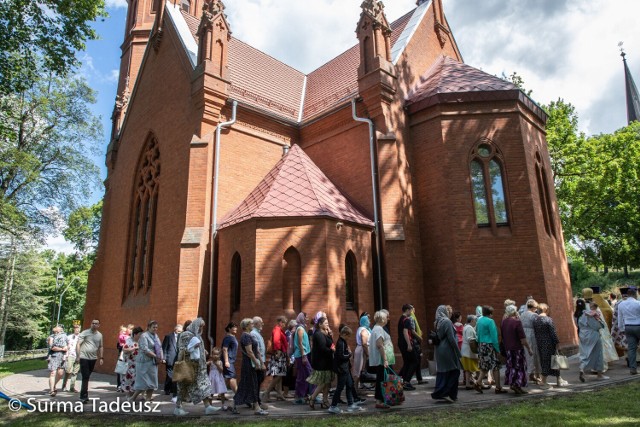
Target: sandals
[[478, 388], [581, 376], [53, 393], [324, 405], [500, 390]]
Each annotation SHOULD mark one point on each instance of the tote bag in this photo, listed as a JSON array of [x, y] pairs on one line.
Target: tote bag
[[183, 370], [392, 388], [559, 361], [121, 366]]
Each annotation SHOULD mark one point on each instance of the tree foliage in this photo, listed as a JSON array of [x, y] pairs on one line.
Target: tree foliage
[[43, 35], [597, 182], [83, 228], [47, 134]]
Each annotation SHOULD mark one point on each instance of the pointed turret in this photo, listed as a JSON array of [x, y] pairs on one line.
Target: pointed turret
[[633, 96]]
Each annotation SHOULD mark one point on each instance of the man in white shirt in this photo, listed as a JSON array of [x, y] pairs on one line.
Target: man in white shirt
[[72, 367], [629, 323]]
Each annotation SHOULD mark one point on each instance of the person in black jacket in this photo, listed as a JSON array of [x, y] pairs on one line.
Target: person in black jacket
[[170, 351], [342, 366], [321, 362]]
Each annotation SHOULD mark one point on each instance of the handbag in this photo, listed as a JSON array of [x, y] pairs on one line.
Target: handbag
[[183, 371], [473, 346], [392, 388], [559, 361], [121, 365], [388, 352]]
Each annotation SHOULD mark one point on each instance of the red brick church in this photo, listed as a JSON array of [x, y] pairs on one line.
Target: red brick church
[[240, 186]]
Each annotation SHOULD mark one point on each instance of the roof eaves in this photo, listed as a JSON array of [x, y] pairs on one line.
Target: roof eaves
[[409, 31]]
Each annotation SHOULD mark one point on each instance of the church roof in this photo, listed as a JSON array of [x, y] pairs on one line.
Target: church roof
[[449, 80], [264, 82], [295, 187], [633, 96]]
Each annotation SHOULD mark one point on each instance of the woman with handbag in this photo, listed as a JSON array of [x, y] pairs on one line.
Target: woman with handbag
[[488, 349], [447, 356], [547, 340], [248, 387], [515, 341], [192, 356], [380, 347], [130, 352], [591, 353], [469, 355], [322, 351]]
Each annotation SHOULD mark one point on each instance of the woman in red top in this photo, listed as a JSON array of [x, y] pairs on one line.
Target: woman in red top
[[279, 359], [458, 327]]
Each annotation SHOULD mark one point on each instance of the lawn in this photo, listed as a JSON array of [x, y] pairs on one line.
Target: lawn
[[613, 405]]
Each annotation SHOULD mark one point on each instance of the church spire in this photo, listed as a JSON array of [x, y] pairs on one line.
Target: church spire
[[633, 96]]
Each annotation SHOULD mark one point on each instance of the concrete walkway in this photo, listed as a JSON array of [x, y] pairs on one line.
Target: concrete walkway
[[32, 387]]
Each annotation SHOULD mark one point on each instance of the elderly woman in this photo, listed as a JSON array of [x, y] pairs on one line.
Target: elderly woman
[[130, 352], [547, 340], [378, 340], [515, 341], [361, 352], [301, 351], [191, 347], [447, 358], [469, 358], [248, 387], [488, 349], [591, 351], [147, 362], [278, 363], [58, 348], [527, 318], [322, 363]]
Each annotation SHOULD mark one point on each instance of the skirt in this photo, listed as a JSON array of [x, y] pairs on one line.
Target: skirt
[[516, 368], [278, 365], [470, 365], [320, 377], [358, 362], [56, 361], [487, 357]]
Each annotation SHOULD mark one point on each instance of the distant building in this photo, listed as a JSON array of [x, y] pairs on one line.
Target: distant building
[[465, 207]]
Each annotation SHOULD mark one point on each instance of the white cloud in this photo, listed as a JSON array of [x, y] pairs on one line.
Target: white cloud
[[114, 4], [113, 76], [59, 244]]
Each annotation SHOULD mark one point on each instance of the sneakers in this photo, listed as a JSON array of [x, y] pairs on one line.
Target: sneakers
[[562, 383], [603, 377], [179, 412], [359, 401], [408, 386], [210, 410], [448, 399], [174, 399], [334, 410], [544, 386], [354, 408], [261, 412]]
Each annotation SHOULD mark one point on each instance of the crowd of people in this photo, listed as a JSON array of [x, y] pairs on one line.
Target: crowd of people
[[305, 357]]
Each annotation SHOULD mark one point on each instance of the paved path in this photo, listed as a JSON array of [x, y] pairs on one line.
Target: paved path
[[32, 386]]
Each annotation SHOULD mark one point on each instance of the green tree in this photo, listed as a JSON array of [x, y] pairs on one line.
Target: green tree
[[83, 228], [45, 164], [43, 36]]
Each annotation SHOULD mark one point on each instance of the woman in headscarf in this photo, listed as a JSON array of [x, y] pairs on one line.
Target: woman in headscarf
[[248, 387], [533, 360], [191, 345], [547, 339], [447, 357], [301, 350], [361, 352], [147, 362], [591, 354], [515, 341]]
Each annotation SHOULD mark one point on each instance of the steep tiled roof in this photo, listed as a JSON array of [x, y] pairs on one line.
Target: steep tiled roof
[[451, 81], [264, 82], [295, 187]]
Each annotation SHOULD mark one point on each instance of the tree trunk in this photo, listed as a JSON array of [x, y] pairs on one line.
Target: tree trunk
[[5, 301]]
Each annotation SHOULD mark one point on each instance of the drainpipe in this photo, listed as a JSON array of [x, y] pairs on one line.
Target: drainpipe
[[376, 202], [214, 214]]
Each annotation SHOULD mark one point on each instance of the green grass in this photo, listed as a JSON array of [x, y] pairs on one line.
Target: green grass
[[610, 406], [11, 368]]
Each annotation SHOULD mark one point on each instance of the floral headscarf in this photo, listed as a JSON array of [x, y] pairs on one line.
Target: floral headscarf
[[441, 314], [316, 318], [301, 320]]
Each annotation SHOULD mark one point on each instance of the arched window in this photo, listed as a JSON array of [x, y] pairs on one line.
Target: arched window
[[543, 195], [291, 280], [487, 186], [143, 220], [351, 281], [236, 281]]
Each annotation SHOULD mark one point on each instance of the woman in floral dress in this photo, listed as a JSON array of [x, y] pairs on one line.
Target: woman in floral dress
[[130, 351], [547, 340]]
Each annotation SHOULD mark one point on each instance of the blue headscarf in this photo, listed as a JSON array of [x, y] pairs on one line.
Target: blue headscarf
[[365, 323]]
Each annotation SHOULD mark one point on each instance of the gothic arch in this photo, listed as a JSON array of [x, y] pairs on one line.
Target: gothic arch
[[292, 280], [351, 281], [143, 215], [236, 282]]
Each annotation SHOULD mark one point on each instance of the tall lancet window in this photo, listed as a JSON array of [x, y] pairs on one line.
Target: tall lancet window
[[487, 185], [143, 220]]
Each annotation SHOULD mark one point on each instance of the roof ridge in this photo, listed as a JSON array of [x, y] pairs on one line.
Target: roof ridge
[[306, 172]]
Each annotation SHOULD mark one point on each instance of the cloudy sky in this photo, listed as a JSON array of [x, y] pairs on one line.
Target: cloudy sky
[[562, 48]]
